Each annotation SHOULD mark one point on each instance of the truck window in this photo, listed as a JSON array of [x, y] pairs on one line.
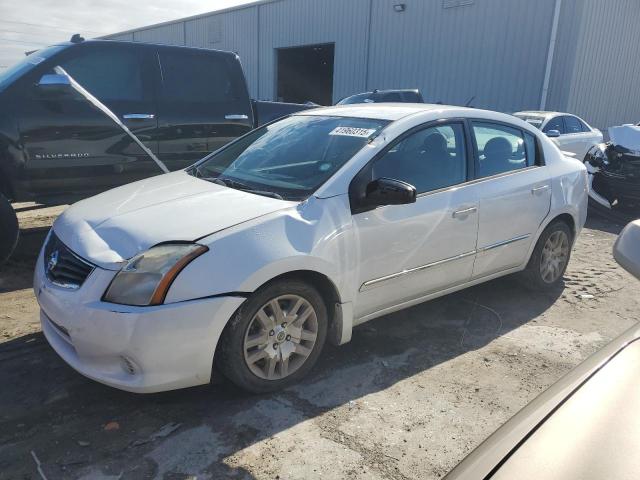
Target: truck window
[[107, 73], [196, 77]]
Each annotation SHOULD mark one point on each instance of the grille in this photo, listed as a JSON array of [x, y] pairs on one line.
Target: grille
[[62, 266]]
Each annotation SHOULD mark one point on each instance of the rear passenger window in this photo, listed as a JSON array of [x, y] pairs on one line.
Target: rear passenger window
[[502, 149], [573, 125], [107, 73], [196, 77], [428, 159]]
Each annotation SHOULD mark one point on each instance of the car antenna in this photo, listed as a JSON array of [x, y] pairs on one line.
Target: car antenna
[[468, 104], [77, 38]]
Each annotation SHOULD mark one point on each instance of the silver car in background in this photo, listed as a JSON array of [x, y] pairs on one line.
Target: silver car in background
[[571, 133]]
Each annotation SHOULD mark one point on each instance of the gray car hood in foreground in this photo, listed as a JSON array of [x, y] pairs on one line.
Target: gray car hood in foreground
[[584, 427], [118, 224]]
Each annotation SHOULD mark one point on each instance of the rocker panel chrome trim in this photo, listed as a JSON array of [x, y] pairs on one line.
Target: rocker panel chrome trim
[[372, 283]]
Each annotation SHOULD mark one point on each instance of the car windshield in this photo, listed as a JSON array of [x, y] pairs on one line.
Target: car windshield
[[291, 158], [29, 62], [532, 119]]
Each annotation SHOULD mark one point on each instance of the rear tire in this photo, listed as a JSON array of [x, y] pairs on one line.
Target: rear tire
[[9, 229], [274, 338], [550, 257]]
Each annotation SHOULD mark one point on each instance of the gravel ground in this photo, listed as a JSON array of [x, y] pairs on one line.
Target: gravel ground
[[408, 398]]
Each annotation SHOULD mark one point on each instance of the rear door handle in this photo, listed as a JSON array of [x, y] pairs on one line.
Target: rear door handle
[[540, 188], [138, 116], [464, 212], [236, 116]]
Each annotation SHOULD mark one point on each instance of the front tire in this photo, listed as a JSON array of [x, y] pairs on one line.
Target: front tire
[[275, 337], [9, 229], [550, 257]]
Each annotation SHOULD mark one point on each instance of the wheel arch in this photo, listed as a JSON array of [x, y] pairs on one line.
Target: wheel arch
[[340, 320]]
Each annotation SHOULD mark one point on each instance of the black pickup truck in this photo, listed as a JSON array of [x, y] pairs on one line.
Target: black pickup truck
[[55, 147]]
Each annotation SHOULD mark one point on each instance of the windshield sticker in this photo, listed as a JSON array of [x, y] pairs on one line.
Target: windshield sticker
[[353, 132], [533, 121]]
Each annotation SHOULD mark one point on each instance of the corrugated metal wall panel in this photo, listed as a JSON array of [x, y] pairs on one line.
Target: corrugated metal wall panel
[[306, 22], [235, 31], [604, 84], [564, 58], [123, 37], [494, 50], [171, 34]]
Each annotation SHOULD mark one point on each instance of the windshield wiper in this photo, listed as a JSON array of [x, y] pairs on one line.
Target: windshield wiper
[[264, 193], [244, 187]]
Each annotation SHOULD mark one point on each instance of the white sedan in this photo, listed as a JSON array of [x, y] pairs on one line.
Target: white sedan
[[297, 232], [569, 132]]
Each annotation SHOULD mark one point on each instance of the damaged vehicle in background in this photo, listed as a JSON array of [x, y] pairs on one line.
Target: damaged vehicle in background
[[614, 173], [295, 233], [571, 133]]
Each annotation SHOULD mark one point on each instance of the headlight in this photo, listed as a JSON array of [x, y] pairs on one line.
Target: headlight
[[146, 278]]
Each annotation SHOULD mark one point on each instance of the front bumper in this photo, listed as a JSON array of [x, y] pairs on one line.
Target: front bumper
[[138, 349]]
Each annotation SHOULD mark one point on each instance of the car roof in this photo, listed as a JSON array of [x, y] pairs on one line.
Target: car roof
[[383, 111], [541, 113]]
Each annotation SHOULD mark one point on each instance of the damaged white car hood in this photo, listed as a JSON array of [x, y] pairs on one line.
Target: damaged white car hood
[[118, 224], [627, 136]]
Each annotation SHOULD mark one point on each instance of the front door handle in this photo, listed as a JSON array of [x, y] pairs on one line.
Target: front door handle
[[538, 189], [464, 212], [138, 116], [236, 116]]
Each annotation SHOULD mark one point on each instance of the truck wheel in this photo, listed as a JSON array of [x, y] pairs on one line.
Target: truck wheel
[[550, 257], [8, 229], [274, 338]]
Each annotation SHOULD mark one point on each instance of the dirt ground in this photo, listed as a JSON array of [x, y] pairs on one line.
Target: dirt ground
[[408, 398]]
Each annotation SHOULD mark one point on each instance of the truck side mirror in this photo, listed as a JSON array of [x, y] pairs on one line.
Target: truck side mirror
[[553, 133], [626, 250], [54, 84]]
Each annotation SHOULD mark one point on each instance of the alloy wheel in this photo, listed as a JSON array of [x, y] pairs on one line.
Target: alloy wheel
[[555, 255], [280, 337]]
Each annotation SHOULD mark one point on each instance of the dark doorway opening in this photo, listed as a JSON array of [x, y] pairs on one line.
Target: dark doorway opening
[[306, 74]]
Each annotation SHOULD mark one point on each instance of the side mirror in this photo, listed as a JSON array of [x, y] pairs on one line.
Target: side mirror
[[387, 191], [626, 250], [553, 133], [54, 83]]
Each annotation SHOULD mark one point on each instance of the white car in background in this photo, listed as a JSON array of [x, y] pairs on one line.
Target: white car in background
[[297, 232], [569, 132]]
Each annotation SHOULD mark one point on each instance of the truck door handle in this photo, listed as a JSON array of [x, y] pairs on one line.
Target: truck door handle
[[540, 188], [464, 212], [138, 116], [236, 116]]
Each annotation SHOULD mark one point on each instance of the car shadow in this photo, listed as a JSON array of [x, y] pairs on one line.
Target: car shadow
[[598, 220], [48, 408]]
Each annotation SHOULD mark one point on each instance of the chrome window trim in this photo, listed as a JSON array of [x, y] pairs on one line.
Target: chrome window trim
[[372, 283]]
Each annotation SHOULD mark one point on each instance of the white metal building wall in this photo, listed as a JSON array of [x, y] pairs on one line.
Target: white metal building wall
[[493, 50], [304, 22], [605, 82]]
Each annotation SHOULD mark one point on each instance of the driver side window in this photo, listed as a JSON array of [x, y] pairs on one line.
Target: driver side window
[[429, 159]]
